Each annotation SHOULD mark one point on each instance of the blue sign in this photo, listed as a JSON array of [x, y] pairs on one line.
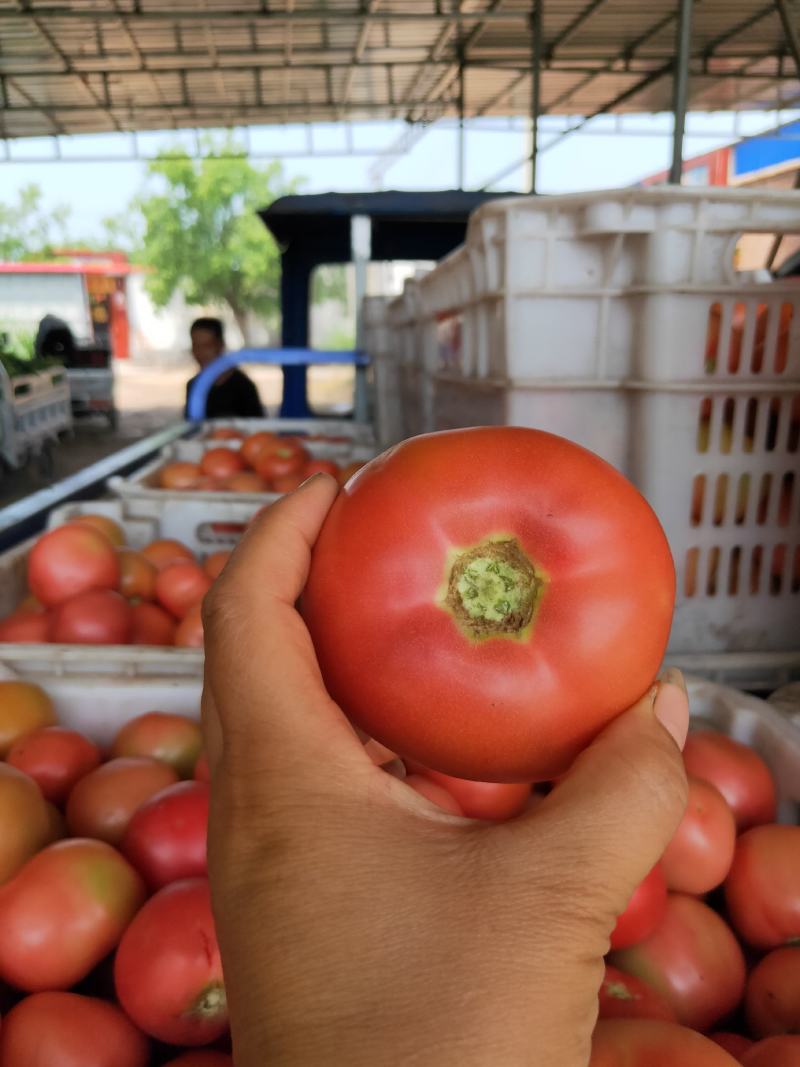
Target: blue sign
[[774, 148]]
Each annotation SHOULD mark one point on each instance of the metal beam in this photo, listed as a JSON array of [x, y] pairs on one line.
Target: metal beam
[[738, 29], [570, 30], [358, 53], [789, 24], [680, 88], [537, 50], [312, 14]]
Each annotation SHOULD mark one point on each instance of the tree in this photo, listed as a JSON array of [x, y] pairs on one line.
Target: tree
[[202, 236], [30, 231]]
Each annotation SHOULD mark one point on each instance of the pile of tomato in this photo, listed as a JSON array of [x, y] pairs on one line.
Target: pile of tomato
[[86, 586], [265, 462], [108, 954]]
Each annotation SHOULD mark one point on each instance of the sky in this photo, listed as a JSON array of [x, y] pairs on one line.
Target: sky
[[597, 157]]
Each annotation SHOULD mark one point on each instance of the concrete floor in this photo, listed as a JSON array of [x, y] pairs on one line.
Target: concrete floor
[[148, 398]]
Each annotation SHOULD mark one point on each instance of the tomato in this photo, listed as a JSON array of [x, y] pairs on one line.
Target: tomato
[[71, 560], [162, 553], [321, 466], [29, 604], [221, 463], [738, 772], [201, 771], [434, 792], [55, 758], [24, 818], [257, 443], [168, 972], [24, 706], [190, 629], [772, 997], [623, 996], [137, 575], [762, 890], [179, 475], [25, 627], [483, 800], [279, 462], [99, 617], [173, 739], [287, 483], [166, 838], [783, 1051], [181, 585], [151, 625], [736, 1044], [63, 912], [700, 854], [214, 563], [245, 482], [112, 531], [68, 1030], [499, 577], [102, 803], [693, 959], [202, 1058], [644, 912], [651, 1043]]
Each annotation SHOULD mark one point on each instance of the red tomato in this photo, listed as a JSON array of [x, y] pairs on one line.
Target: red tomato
[[772, 997], [283, 460], [245, 482], [24, 706], [644, 912], [68, 1030], [190, 629], [151, 625], [214, 563], [99, 617], [495, 801], [693, 959], [24, 818], [201, 1058], [162, 553], [257, 443], [112, 531], [56, 759], [221, 463], [321, 466], [479, 567], [434, 792], [166, 838], [63, 912], [25, 627], [783, 1051], [71, 560], [346, 473], [137, 575], [738, 772], [700, 854], [181, 585], [733, 1043], [201, 771], [623, 996], [287, 483], [762, 890], [173, 739], [651, 1043], [102, 803], [168, 971], [179, 476]]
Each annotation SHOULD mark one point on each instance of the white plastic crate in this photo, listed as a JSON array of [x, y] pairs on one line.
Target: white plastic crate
[[386, 380], [34, 410], [616, 319], [357, 432], [92, 391]]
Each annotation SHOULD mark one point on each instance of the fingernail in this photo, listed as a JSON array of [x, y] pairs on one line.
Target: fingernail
[[671, 705]]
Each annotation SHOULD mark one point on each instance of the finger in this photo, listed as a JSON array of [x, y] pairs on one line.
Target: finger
[[617, 809], [261, 672]]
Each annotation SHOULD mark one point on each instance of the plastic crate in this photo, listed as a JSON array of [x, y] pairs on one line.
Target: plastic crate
[[385, 371], [617, 319], [92, 391], [34, 410], [357, 432]]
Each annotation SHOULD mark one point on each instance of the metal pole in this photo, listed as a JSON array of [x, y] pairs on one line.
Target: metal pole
[[537, 51], [790, 29], [361, 251], [680, 88], [462, 153]]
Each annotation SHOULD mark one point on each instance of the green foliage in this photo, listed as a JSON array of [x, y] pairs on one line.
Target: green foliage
[[28, 230], [202, 236], [329, 282]]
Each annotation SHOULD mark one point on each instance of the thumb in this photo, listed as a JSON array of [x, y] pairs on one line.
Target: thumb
[[620, 804]]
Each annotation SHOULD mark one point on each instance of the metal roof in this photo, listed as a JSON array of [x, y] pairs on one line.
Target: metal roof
[[84, 66]]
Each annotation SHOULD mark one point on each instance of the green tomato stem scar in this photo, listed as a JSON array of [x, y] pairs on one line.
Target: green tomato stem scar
[[491, 589]]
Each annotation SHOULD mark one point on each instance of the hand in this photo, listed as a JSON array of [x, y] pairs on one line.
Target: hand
[[358, 923]]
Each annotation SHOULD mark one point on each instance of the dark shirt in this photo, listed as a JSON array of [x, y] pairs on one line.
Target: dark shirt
[[236, 397]]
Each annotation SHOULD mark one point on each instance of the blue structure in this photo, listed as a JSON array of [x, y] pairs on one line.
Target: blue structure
[[767, 150]]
